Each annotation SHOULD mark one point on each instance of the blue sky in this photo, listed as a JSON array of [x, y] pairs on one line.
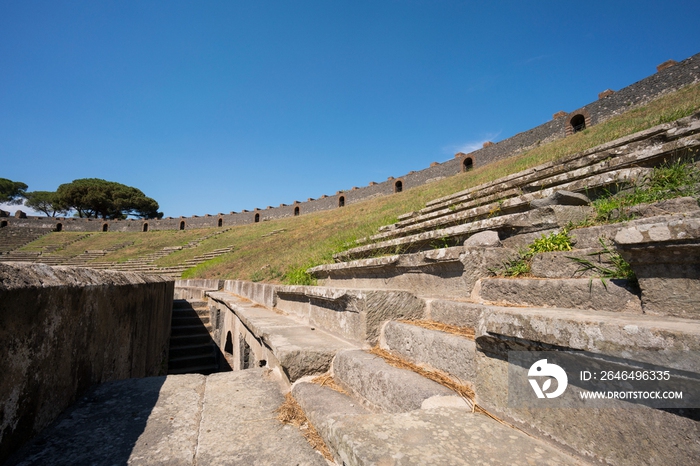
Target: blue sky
[[218, 106]]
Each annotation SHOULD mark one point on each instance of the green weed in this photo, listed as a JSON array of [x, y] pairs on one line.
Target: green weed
[[440, 243], [298, 275], [677, 178], [619, 269], [555, 241]]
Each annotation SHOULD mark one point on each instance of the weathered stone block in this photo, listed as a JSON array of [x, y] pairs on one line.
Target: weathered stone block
[[484, 239], [437, 436], [562, 264], [449, 353], [666, 259], [295, 349], [573, 293], [356, 315], [561, 197], [383, 387]]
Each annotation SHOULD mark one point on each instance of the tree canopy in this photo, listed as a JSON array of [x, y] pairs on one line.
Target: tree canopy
[[12, 192], [93, 197], [46, 202]]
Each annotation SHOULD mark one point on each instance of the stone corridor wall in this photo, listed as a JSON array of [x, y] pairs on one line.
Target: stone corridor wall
[[65, 329]]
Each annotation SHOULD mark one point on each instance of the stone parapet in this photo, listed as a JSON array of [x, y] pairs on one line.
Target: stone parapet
[[65, 329]]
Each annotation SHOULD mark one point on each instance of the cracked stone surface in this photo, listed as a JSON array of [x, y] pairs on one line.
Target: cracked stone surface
[[573, 293], [440, 350], [437, 436], [225, 418], [382, 386]]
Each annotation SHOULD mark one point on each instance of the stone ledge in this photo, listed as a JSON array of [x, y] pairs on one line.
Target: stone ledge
[[383, 387], [352, 314], [678, 229], [449, 353], [437, 436], [529, 221], [573, 293], [594, 331], [299, 349], [32, 275]]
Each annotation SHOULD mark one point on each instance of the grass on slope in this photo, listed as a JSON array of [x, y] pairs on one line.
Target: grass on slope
[[311, 239], [143, 243], [52, 240]]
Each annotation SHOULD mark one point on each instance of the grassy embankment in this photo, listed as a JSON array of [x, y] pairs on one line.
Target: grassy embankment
[[312, 239], [141, 243]]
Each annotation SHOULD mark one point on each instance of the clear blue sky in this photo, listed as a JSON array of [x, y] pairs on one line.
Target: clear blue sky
[[214, 106]]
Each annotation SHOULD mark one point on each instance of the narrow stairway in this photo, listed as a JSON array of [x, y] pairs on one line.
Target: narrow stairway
[[191, 348]]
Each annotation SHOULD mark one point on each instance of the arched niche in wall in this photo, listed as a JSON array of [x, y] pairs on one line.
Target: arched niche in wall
[[145, 227], [398, 186], [228, 347], [182, 225], [105, 227], [257, 218], [59, 227], [467, 164], [296, 211], [221, 222], [341, 201], [578, 121]]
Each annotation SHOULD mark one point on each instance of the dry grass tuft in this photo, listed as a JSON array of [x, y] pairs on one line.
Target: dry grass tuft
[[466, 332], [326, 380], [291, 413], [433, 374]]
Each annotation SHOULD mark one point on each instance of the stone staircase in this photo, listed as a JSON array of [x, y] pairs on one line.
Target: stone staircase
[[191, 348], [146, 263], [527, 201], [12, 238], [376, 412]]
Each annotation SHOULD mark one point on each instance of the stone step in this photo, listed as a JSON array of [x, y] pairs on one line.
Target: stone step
[[193, 330], [191, 350], [225, 418], [190, 362], [635, 337], [665, 257], [452, 354], [536, 220], [204, 369], [578, 329], [569, 264], [179, 341], [282, 342], [417, 437], [503, 205], [439, 272], [588, 171], [188, 304], [188, 319], [355, 315], [574, 293], [626, 145], [383, 387]]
